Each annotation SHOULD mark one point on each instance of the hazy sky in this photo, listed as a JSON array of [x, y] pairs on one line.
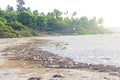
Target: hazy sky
[[108, 9]]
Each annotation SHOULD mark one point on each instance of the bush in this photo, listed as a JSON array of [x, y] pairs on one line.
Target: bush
[[3, 20], [17, 25], [20, 29], [6, 31]]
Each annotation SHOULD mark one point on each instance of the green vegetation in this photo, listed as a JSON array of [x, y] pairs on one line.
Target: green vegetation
[[24, 22]]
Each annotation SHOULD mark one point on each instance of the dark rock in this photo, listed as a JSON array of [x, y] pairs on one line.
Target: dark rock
[[34, 78], [62, 66], [57, 76]]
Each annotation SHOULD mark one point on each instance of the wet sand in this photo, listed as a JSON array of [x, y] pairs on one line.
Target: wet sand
[[24, 69]]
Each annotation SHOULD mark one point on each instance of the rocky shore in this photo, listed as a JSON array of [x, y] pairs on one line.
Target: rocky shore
[[31, 53], [21, 59]]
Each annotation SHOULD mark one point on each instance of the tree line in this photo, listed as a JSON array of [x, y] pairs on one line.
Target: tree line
[[24, 22]]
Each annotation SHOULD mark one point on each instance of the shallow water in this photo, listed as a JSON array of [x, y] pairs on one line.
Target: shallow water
[[95, 49]]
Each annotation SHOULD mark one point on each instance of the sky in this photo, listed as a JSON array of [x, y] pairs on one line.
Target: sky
[[109, 10]]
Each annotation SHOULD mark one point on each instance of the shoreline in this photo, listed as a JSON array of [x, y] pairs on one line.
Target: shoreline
[[28, 55], [30, 52]]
